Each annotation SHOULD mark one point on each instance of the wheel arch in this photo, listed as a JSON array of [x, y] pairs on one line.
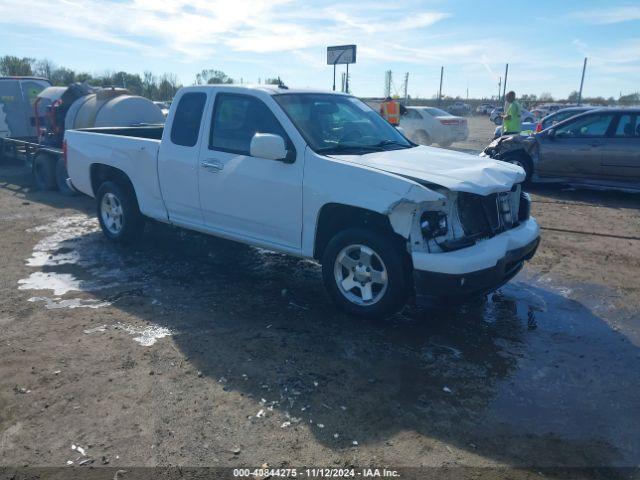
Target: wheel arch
[[334, 217], [100, 173]]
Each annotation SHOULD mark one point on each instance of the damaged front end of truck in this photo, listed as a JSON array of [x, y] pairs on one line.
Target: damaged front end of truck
[[456, 219], [465, 244]]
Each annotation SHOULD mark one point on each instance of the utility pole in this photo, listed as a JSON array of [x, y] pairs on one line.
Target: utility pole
[[504, 87], [334, 77], [406, 84], [440, 91], [387, 83], [343, 82], [499, 88], [584, 68]]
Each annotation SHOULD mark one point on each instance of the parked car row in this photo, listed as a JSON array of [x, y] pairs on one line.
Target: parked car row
[[597, 147], [485, 108], [546, 122]]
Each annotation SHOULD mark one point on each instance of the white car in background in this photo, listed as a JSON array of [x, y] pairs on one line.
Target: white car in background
[[427, 125]]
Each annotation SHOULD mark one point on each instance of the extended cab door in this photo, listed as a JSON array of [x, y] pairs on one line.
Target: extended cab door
[[576, 148], [245, 197], [178, 157], [621, 152]]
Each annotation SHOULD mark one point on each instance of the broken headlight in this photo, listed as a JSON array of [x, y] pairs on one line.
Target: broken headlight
[[524, 211], [433, 224]]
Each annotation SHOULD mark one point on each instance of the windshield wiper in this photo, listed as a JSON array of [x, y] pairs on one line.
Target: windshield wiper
[[385, 143], [351, 149]]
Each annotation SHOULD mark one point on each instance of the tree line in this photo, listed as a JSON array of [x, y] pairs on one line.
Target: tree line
[[164, 87], [155, 87]]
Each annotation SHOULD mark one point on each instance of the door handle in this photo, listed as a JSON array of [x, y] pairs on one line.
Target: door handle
[[213, 166]]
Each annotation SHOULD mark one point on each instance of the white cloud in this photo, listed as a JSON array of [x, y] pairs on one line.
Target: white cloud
[[608, 16], [202, 28]]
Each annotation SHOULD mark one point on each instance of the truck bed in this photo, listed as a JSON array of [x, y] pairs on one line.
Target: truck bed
[[153, 132], [131, 150]]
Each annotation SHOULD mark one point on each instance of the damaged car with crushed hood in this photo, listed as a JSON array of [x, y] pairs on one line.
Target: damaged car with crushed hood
[[599, 148], [320, 176]]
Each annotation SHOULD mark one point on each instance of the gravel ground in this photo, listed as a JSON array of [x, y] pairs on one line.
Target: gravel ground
[[193, 351]]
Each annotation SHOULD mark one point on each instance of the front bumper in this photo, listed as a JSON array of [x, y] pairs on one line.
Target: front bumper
[[475, 270]]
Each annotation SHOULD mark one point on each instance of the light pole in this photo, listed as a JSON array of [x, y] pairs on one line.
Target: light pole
[[584, 68]]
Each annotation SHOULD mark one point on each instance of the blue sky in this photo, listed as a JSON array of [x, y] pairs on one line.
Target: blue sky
[[544, 41]]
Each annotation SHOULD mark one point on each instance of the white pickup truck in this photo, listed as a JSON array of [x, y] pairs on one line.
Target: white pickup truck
[[317, 175]]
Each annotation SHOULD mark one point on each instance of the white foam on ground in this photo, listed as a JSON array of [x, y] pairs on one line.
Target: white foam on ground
[[60, 283], [64, 232], [70, 241], [57, 303], [146, 336]]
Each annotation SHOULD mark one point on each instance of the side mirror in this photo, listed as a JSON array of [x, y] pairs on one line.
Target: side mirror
[[269, 146], [551, 133]]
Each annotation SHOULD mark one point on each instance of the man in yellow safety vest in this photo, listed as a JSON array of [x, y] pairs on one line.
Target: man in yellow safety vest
[[511, 122], [390, 111]]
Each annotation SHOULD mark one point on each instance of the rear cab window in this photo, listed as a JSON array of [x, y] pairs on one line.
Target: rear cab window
[[187, 119]]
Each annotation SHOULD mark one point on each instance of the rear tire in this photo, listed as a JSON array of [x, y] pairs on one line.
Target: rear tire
[[118, 213], [44, 171], [366, 273], [61, 179]]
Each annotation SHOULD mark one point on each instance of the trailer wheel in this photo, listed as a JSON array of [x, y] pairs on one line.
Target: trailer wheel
[[61, 179], [44, 171]]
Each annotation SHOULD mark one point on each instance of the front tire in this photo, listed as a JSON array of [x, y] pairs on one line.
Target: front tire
[[118, 213], [522, 161], [366, 273]]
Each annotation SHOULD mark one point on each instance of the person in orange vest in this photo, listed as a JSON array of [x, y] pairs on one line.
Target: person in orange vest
[[390, 111]]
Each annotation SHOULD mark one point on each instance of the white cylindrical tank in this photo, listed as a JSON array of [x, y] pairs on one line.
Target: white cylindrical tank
[[112, 108]]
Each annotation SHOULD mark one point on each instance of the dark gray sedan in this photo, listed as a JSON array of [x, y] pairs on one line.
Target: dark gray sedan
[[598, 148]]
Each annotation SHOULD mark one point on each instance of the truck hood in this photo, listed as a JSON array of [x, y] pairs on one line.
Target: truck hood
[[456, 171]]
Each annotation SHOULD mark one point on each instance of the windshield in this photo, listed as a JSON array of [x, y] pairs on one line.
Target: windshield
[[334, 124], [436, 112]]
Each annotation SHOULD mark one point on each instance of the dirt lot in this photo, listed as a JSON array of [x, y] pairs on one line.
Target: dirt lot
[[192, 351]]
